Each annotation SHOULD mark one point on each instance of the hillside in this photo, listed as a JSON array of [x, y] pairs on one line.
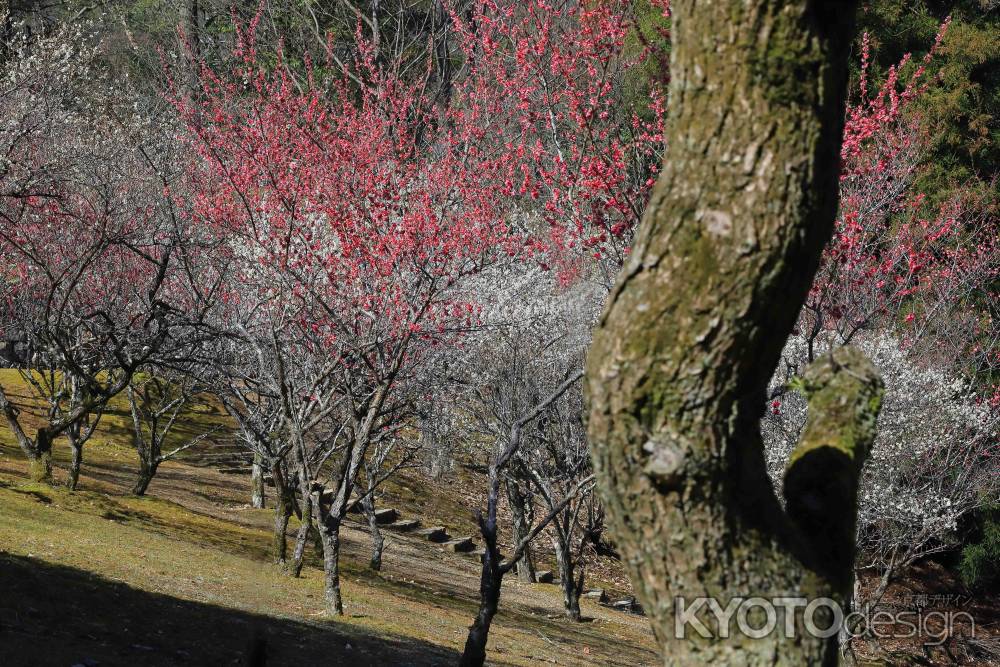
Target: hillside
[[183, 577]]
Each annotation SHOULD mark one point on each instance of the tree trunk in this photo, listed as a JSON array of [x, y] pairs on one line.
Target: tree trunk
[[298, 553], [75, 461], [680, 360], [37, 451], [190, 23], [282, 513], [257, 482], [40, 466], [378, 541], [147, 470], [40, 458], [491, 579], [330, 533], [571, 588], [283, 508], [517, 501]]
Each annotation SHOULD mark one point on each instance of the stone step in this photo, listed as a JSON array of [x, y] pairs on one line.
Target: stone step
[[629, 605], [384, 517], [405, 525], [596, 594], [461, 545], [544, 577], [235, 471], [434, 534]]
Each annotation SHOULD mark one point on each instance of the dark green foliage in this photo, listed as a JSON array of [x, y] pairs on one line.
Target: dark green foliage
[[980, 564], [961, 112]]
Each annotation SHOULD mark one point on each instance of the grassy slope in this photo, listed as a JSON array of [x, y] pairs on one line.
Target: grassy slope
[[183, 577]]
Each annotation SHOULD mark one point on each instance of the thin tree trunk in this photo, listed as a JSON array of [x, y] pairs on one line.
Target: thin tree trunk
[[75, 461], [282, 513], [377, 539], [571, 588], [305, 527], [257, 482], [521, 524], [490, 582], [678, 369]]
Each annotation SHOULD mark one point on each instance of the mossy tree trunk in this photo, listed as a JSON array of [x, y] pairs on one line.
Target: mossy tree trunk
[[678, 369]]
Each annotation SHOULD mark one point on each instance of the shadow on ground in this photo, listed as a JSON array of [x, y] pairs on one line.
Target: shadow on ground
[[58, 616]]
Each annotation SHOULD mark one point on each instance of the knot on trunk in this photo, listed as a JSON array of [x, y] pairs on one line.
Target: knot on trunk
[[665, 465]]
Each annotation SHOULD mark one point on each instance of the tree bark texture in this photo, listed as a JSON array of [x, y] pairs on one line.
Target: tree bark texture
[[692, 331]]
